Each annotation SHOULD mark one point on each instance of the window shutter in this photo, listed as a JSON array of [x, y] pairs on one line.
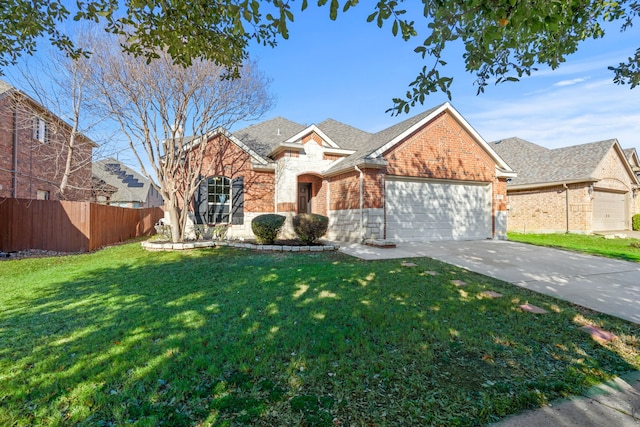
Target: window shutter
[[237, 201], [200, 202]]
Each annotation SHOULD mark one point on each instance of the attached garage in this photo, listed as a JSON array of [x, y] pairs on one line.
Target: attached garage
[[609, 210], [432, 210]]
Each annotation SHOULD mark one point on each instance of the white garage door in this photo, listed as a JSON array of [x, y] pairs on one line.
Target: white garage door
[[608, 211], [427, 211]]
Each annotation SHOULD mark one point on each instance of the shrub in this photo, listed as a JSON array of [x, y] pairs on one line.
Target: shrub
[[635, 222], [310, 227], [210, 232], [266, 227]]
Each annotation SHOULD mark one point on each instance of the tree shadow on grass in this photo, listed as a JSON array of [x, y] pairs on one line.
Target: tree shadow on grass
[[232, 337]]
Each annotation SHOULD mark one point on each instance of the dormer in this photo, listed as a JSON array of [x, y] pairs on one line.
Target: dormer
[[310, 143]]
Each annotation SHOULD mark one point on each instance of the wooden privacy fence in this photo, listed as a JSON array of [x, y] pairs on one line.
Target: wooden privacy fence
[[70, 226]]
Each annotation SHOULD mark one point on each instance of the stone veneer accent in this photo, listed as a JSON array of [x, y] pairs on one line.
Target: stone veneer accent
[[163, 246], [344, 224]]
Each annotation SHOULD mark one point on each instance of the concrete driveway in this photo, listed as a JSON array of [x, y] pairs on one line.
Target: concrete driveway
[[602, 284]]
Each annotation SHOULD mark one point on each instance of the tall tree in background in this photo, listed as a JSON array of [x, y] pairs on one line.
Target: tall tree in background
[[64, 91], [502, 39], [156, 104]]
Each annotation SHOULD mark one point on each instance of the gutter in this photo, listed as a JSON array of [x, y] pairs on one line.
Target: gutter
[[566, 202], [361, 202]]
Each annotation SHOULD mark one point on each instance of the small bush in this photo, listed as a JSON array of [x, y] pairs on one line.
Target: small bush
[[310, 227], [210, 232], [266, 227], [635, 245], [635, 222]]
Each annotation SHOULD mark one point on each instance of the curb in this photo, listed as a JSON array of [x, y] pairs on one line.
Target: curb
[[163, 246]]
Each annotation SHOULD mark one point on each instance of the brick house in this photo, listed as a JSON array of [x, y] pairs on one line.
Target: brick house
[[430, 177], [116, 184], [580, 189], [33, 151]]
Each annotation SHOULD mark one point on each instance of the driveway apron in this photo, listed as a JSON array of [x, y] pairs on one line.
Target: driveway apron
[[602, 284]]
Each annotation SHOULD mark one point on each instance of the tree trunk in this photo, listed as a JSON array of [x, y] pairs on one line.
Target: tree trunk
[[174, 219]]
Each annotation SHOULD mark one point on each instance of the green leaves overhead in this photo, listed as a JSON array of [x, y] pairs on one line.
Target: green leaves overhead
[[503, 40]]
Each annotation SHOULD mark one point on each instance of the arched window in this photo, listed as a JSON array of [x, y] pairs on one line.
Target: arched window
[[218, 199]]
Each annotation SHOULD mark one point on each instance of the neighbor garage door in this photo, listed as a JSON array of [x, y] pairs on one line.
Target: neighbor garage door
[[608, 211], [428, 210]]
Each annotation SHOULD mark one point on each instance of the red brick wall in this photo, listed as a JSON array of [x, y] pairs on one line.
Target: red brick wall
[[345, 190], [224, 158], [6, 147], [318, 193], [312, 137], [442, 150], [40, 166], [287, 207], [331, 156]]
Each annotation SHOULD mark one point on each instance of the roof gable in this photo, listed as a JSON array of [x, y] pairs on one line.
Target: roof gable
[[264, 137], [310, 130], [538, 165], [130, 185], [383, 141]]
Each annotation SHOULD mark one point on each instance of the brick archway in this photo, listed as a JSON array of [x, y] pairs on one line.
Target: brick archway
[[317, 194]]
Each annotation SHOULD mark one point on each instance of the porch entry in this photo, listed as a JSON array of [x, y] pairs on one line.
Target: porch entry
[[304, 197]]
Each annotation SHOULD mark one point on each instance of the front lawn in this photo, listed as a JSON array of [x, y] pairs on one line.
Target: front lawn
[[233, 337], [589, 244]]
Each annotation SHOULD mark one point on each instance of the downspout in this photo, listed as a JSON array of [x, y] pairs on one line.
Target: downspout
[[361, 203], [14, 182], [566, 202]]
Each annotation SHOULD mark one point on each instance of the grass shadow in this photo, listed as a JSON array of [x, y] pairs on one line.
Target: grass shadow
[[232, 337]]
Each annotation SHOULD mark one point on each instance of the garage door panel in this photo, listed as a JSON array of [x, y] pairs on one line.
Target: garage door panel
[[609, 211], [421, 211]]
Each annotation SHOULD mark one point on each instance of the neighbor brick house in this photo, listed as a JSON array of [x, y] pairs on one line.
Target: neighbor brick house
[[430, 177], [33, 151], [580, 189]]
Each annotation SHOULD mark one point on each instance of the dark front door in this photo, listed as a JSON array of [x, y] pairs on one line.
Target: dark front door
[[304, 197]]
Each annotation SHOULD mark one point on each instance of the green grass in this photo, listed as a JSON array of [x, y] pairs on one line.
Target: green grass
[[589, 244], [233, 337]]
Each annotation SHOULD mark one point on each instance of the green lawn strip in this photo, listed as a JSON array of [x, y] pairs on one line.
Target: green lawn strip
[[234, 337], [625, 249]]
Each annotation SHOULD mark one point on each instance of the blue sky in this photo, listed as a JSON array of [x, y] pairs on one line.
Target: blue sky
[[349, 70]]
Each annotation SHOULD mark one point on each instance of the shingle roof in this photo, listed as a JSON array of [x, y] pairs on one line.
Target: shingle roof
[[345, 136], [265, 136], [132, 187], [537, 165], [378, 140], [5, 87]]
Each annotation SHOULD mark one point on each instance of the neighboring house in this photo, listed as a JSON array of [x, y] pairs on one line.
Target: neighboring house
[[116, 184], [430, 177], [580, 189], [33, 151], [632, 158], [634, 162]]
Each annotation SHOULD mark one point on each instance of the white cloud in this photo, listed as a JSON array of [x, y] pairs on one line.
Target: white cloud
[[570, 115], [571, 82]]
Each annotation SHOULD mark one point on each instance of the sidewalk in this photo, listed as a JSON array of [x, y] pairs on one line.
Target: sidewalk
[[614, 403]]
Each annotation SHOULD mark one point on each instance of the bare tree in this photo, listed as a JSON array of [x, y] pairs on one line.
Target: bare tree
[[157, 103], [60, 112]]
